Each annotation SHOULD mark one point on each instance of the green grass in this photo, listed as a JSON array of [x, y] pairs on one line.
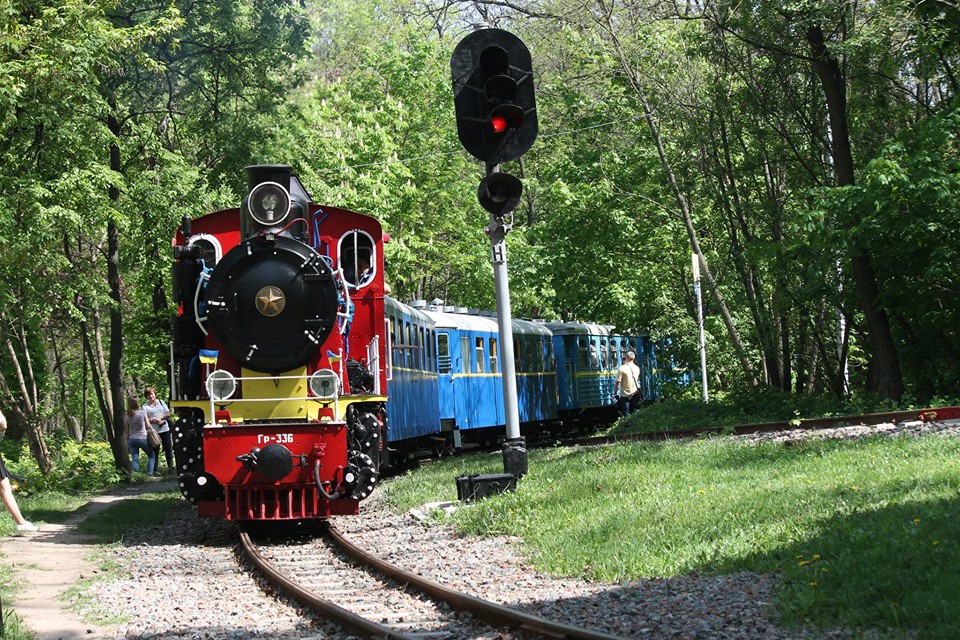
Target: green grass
[[109, 527], [49, 506], [89, 608], [112, 524], [865, 534], [12, 628]]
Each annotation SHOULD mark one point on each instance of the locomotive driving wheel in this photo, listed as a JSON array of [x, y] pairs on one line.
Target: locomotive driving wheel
[[195, 485], [364, 440]]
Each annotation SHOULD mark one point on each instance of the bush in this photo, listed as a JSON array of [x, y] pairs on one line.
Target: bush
[[77, 466]]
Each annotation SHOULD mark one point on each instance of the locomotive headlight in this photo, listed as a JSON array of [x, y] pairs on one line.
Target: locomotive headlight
[[269, 203], [221, 385], [324, 384]]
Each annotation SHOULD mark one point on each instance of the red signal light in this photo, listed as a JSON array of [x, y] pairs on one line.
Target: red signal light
[[499, 123], [506, 116]]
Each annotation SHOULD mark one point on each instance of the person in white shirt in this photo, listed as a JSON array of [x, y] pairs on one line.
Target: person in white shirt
[[157, 414]]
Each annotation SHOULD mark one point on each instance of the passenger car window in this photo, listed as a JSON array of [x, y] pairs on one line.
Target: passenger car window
[[478, 365], [583, 359], [443, 353]]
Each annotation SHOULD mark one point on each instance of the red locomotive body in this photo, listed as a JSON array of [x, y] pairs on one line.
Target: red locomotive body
[[276, 376]]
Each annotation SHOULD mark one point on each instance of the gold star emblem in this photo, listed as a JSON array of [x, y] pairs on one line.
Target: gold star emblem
[[270, 301]]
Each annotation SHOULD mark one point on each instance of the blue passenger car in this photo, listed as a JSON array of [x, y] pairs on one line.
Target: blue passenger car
[[470, 371], [411, 373], [536, 367], [585, 369], [588, 356]]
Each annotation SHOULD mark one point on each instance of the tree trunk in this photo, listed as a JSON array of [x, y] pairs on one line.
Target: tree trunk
[[118, 439], [630, 72], [684, 208], [28, 414], [732, 207], [58, 368], [885, 377], [97, 377]]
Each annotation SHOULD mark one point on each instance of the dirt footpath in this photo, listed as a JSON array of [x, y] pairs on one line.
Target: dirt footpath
[[47, 563]]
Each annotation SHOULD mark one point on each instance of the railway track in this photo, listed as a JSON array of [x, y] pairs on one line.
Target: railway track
[[374, 599], [923, 415]]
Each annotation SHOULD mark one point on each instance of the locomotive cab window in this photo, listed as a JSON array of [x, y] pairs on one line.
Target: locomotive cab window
[[358, 258], [209, 248]]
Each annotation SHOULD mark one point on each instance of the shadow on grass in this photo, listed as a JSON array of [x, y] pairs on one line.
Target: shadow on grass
[[894, 567]]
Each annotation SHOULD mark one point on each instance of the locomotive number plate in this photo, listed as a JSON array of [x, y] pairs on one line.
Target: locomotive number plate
[[279, 438]]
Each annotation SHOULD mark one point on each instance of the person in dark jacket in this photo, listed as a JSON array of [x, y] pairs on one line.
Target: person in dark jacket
[[6, 490]]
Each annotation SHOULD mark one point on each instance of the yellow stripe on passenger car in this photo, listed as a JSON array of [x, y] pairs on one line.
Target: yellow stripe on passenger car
[[497, 375]]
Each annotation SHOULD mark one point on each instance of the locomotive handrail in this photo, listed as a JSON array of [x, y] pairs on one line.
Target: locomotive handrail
[[196, 303], [226, 402], [348, 315], [323, 402]]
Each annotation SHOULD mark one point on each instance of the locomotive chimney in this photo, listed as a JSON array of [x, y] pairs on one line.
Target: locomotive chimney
[[260, 173]]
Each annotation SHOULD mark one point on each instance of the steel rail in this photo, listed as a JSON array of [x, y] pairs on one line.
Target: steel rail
[[869, 419], [493, 614], [329, 610]]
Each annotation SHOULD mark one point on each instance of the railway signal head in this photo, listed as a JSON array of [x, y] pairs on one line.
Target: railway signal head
[[494, 95], [499, 193]]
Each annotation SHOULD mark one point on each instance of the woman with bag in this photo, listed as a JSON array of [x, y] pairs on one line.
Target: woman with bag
[[136, 421], [157, 414]]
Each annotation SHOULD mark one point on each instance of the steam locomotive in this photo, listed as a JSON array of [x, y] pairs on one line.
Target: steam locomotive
[[276, 381], [286, 349]]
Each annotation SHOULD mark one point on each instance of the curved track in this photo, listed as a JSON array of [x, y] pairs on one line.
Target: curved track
[[375, 599]]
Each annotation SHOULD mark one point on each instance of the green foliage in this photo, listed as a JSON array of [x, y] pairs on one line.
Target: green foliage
[[78, 468], [357, 96], [904, 211]]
